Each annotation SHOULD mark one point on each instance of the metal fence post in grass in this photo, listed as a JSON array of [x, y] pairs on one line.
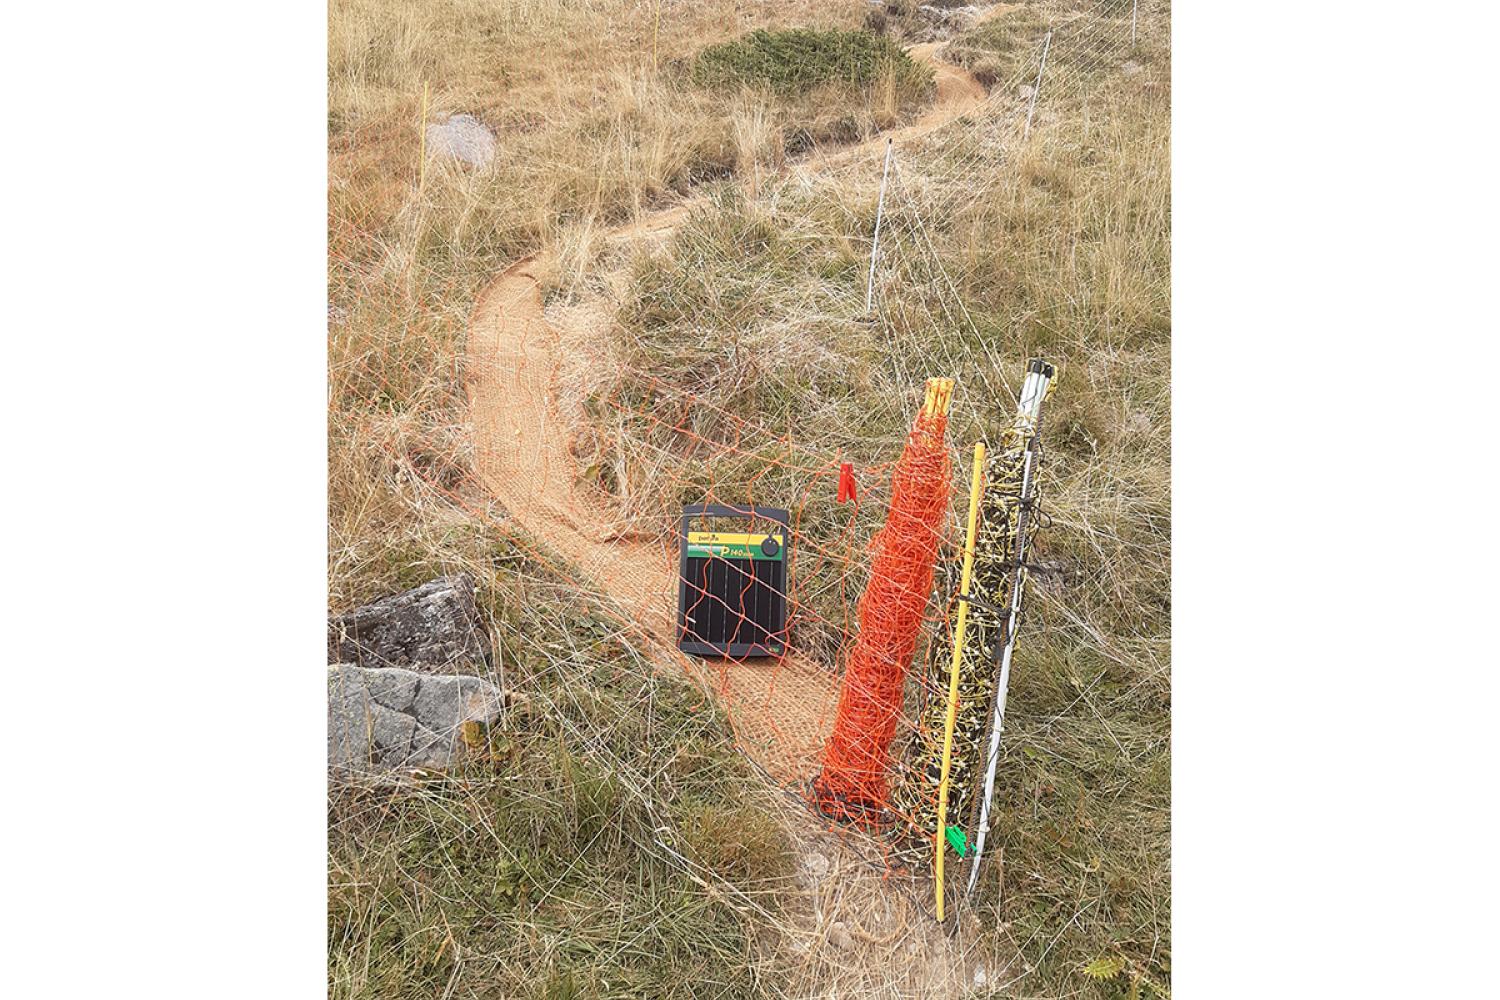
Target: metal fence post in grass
[[1025, 434], [875, 245], [1037, 90], [1134, 4]]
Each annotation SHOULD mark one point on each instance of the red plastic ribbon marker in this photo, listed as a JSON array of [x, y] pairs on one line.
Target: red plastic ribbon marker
[[846, 482]]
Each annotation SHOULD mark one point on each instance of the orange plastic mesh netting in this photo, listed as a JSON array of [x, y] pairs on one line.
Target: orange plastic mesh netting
[[856, 760]]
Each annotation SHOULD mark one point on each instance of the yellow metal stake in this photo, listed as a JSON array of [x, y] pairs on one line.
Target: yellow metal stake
[[976, 486], [938, 397]]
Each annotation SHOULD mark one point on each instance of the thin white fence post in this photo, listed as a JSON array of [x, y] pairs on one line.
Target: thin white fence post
[[1028, 422], [422, 150], [875, 245], [1036, 90], [1134, 4]]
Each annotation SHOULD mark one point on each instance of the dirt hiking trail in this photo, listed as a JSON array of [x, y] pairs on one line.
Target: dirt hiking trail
[[524, 462]]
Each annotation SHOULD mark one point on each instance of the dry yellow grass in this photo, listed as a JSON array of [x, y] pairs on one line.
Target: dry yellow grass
[[589, 132], [1062, 252]]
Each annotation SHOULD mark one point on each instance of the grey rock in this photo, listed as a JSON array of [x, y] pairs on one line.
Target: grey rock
[[815, 864], [944, 11], [435, 627], [394, 689], [387, 718], [462, 137], [1131, 68], [454, 699]]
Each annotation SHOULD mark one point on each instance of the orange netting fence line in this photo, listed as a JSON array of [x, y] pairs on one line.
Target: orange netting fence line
[[839, 706], [827, 722], [845, 715], [853, 783]]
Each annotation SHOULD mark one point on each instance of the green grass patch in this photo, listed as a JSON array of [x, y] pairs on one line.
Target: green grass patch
[[797, 60]]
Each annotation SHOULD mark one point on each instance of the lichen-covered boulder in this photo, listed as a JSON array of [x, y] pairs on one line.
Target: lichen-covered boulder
[[434, 628]]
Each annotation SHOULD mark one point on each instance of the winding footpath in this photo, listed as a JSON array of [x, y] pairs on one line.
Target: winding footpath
[[781, 710]]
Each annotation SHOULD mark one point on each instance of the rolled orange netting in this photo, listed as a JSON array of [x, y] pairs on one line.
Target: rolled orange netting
[[853, 783]]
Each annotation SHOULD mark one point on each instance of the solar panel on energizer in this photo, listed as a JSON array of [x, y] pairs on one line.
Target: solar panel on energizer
[[733, 580]]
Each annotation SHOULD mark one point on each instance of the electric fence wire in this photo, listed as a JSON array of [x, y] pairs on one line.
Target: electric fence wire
[[1075, 55], [1076, 59], [911, 244], [1073, 59]]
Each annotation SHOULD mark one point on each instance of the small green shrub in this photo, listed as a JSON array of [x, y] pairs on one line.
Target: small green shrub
[[797, 60]]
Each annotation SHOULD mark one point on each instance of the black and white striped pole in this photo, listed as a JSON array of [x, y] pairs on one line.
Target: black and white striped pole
[[1027, 426]]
